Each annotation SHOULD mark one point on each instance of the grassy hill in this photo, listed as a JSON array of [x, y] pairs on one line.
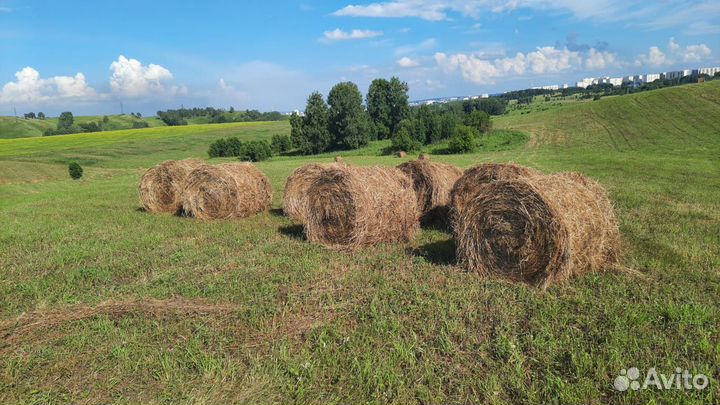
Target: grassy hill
[[131, 307], [11, 127]]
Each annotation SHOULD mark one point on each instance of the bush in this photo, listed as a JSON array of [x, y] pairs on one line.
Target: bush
[[281, 143], [479, 120], [463, 141], [403, 141], [75, 170], [255, 151], [140, 124]]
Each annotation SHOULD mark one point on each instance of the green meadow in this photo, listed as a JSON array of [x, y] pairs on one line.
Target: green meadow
[[389, 324], [11, 127]]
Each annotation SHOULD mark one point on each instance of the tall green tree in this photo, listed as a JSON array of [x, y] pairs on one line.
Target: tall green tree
[[310, 133], [66, 120], [378, 105], [349, 123], [398, 101]]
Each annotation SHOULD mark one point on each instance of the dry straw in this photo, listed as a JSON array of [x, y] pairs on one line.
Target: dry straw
[[350, 207], [296, 189], [539, 229], [432, 182], [230, 190], [160, 186], [467, 186]]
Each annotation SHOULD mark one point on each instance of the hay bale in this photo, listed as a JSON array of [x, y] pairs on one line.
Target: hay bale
[[538, 229], [160, 187], [432, 182], [424, 156], [296, 189], [401, 154], [338, 159], [350, 207], [467, 186], [230, 190]]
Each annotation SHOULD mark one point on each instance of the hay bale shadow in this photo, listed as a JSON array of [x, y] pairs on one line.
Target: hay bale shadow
[[293, 231], [277, 212], [440, 252]]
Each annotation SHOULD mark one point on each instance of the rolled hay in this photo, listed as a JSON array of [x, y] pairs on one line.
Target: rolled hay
[[160, 187], [338, 159], [432, 182], [401, 154], [467, 186], [350, 207], [296, 190], [424, 156], [230, 190], [538, 229]]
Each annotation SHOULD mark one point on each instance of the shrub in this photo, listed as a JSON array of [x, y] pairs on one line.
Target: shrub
[[479, 120], [255, 151], [233, 147], [281, 143], [403, 141], [140, 124], [463, 141], [218, 148], [75, 170]]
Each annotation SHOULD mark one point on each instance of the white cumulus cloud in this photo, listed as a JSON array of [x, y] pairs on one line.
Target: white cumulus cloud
[[130, 78], [406, 62], [29, 87], [340, 35], [675, 53], [480, 69]]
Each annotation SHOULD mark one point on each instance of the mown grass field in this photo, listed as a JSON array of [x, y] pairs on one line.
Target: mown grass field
[[294, 322]]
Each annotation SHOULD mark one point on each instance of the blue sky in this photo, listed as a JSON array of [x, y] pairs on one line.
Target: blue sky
[[88, 56]]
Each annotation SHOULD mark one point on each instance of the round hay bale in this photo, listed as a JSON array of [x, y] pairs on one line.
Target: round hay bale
[[350, 207], [401, 154], [230, 190], [467, 186], [538, 229], [424, 156], [338, 159], [160, 187], [432, 182], [296, 190]]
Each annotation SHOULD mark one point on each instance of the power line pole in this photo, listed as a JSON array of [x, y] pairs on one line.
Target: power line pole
[[15, 111]]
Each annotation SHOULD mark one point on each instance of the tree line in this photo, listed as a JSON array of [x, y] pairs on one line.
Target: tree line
[[32, 116], [345, 122], [216, 115], [66, 124]]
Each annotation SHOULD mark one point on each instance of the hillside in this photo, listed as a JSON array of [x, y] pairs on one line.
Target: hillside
[[133, 307], [671, 118], [11, 127]]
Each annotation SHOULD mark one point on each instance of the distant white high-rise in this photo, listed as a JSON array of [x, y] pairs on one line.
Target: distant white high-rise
[[710, 71], [651, 77]]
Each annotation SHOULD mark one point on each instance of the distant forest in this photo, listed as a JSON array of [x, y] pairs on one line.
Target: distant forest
[[216, 115]]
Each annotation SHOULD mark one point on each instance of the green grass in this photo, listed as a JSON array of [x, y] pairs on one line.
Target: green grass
[[11, 127], [393, 323]]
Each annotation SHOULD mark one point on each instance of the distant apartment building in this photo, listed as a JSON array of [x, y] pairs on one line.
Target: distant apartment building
[[616, 81], [585, 82], [651, 77], [710, 71]]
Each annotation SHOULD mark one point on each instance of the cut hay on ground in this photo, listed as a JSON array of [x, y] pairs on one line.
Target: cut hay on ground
[[538, 229], [230, 190], [161, 186], [350, 207], [467, 186], [13, 331], [296, 190], [432, 182]]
